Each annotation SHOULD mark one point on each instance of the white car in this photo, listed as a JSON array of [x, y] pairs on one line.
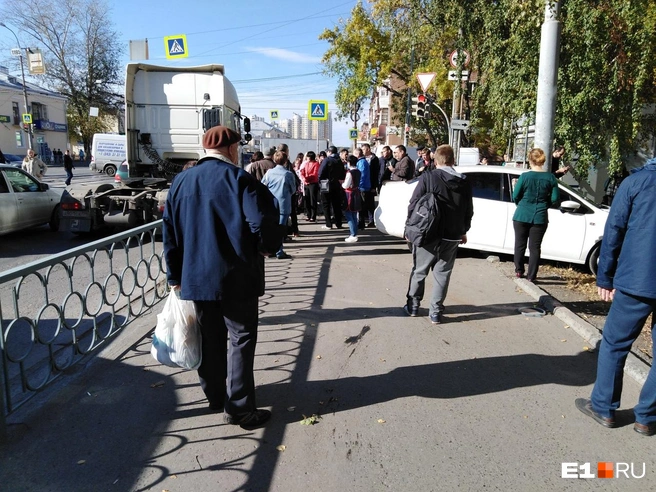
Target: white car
[[575, 227], [25, 201]]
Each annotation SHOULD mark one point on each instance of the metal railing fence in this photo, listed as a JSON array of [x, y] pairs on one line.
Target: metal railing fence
[[56, 311]]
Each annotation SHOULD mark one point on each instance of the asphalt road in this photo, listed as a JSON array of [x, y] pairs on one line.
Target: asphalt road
[[484, 401]]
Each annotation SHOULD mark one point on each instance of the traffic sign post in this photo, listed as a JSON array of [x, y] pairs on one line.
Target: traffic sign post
[[455, 55], [460, 124], [453, 75], [425, 80], [318, 110], [176, 46], [27, 118]]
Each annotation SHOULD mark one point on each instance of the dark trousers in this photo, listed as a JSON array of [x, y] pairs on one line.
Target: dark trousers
[[217, 319], [534, 234], [311, 200], [294, 228], [332, 205], [368, 208], [624, 323], [69, 176]]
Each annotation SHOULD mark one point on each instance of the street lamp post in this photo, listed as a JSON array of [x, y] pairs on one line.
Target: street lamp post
[[29, 131]]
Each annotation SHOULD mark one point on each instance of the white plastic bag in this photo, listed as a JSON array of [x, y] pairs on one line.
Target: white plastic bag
[[177, 340]]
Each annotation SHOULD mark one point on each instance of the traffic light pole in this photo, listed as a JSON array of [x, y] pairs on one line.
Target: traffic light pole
[[408, 100], [29, 128]]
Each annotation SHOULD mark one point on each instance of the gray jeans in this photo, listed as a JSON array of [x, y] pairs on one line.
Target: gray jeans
[[439, 256]]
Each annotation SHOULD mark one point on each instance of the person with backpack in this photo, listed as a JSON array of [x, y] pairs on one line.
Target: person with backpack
[[353, 203], [439, 248]]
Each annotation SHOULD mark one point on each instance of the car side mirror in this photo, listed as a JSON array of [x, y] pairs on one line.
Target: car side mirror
[[569, 206], [44, 186]]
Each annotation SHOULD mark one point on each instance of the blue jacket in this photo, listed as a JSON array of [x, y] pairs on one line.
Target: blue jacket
[[282, 185], [365, 180], [626, 261], [217, 219]]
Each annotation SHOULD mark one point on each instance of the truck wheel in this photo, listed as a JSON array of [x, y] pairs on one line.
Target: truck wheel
[[593, 259], [110, 170], [54, 220]]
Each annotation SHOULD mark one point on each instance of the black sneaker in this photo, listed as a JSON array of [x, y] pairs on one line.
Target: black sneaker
[[411, 310], [436, 318], [250, 420], [283, 256]]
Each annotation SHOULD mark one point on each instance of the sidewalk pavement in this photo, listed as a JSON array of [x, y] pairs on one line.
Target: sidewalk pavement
[[485, 400]]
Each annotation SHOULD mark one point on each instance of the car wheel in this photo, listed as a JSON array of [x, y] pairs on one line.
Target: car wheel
[[54, 220], [593, 259], [110, 170]]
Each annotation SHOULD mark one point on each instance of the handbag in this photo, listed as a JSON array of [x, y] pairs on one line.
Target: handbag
[[177, 339], [324, 186]]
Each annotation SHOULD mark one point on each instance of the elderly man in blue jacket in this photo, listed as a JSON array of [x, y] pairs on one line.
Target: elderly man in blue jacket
[[218, 225], [626, 276]]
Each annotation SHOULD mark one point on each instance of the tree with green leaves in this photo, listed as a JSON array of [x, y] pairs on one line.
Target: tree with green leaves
[[606, 80], [81, 55]]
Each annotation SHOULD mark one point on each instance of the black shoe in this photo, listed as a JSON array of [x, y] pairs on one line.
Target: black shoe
[[645, 429], [250, 420], [411, 310], [436, 318], [283, 256], [585, 406]]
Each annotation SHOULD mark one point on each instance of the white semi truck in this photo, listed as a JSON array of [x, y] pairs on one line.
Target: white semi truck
[[167, 111]]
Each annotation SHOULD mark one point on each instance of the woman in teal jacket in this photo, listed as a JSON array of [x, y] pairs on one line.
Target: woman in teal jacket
[[534, 193]]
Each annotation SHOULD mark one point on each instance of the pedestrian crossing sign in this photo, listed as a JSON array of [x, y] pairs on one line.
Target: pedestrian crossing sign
[[274, 114], [353, 133], [176, 46], [318, 110]]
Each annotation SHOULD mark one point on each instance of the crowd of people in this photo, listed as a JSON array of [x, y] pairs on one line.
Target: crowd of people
[[340, 185], [215, 244]]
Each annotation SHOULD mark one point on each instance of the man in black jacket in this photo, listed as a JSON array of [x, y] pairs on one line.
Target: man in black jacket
[[456, 207], [333, 170]]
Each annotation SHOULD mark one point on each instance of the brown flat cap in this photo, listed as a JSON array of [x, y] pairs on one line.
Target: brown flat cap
[[220, 136]]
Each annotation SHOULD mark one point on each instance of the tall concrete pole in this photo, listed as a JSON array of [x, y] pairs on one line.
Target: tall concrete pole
[[545, 112]]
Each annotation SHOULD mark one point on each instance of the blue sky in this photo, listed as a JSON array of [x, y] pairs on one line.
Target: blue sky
[[254, 40]]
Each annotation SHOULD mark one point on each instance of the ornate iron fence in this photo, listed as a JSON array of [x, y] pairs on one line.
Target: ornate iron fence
[[55, 312]]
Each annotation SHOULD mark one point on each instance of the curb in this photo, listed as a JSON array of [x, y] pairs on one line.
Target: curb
[[634, 367]]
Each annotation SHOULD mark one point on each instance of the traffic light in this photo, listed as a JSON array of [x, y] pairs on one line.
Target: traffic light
[[419, 106]]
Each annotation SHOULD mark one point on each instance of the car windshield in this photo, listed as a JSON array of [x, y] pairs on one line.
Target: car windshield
[[13, 157], [582, 194]]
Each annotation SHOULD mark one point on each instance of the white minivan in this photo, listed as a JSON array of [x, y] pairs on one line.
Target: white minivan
[[108, 150]]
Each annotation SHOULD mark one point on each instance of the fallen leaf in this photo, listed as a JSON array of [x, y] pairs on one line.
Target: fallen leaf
[[318, 357], [282, 447], [291, 409], [81, 462], [562, 416], [566, 327], [383, 360], [525, 416], [563, 339], [310, 420], [173, 476], [157, 384], [277, 360], [381, 421]]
